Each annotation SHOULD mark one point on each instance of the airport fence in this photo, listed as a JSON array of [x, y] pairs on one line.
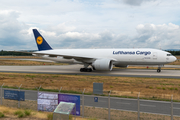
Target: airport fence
[[99, 106]]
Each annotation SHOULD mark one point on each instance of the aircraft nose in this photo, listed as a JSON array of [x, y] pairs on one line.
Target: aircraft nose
[[174, 58]]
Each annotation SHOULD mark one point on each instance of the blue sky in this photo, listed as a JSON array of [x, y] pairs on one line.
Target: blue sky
[[90, 23]]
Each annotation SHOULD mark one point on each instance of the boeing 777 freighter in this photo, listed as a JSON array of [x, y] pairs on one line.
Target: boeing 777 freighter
[[102, 59]]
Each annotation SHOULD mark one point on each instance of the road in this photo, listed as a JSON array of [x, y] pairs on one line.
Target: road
[[74, 70], [125, 104]]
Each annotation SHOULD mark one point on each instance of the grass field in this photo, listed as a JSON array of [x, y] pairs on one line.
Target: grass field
[[90, 113], [160, 88], [11, 113]]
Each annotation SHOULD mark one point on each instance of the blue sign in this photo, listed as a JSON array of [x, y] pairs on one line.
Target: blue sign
[[14, 95], [95, 99], [70, 98]]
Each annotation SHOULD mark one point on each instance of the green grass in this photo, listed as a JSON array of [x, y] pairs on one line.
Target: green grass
[[164, 88], [50, 116], [158, 87], [1, 115], [19, 113], [171, 88], [167, 84], [70, 117], [150, 87], [10, 87], [111, 86], [55, 76], [30, 76], [27, 112]]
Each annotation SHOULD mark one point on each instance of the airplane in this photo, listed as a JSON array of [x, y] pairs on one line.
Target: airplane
[[102, 59]]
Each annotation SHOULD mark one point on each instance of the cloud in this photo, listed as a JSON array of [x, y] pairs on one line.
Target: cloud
[[90, 24], [147, 36], [18, 35], [136, 2], [133, 2], [156, 36], [12, 32]]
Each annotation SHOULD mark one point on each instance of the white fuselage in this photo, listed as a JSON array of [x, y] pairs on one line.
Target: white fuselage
[[102, 59], [120, 57]]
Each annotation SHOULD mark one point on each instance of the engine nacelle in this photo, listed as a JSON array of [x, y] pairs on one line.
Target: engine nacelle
[[103, 64]]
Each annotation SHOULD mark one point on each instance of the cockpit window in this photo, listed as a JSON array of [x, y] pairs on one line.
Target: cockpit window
[[169, 54]]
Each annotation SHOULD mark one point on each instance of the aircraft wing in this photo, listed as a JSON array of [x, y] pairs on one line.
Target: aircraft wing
[[81, 58]]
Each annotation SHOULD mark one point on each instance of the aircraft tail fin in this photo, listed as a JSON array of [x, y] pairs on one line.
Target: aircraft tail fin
[[40, 41]]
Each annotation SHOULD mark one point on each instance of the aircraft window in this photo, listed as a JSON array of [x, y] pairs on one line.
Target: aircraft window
[[169, 54]]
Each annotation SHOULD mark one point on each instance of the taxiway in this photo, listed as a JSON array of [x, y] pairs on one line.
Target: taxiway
[[74, 70]]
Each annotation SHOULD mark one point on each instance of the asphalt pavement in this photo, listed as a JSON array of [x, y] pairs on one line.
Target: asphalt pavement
[[74, 70]]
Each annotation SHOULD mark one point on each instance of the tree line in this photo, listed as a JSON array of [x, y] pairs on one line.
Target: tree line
[[13, 53], [174, 52]]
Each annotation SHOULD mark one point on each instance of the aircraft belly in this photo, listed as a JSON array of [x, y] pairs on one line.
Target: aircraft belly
[[138, 63]]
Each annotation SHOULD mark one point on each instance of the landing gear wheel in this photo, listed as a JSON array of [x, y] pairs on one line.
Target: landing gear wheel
[[158, 70], [85, 70], [90, 70], [81, 70]]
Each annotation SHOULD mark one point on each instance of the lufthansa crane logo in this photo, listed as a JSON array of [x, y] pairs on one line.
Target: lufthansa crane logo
[[39, 40]]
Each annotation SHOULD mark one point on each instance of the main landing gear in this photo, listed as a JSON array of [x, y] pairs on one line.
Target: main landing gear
[[86, 70], [159, 69]]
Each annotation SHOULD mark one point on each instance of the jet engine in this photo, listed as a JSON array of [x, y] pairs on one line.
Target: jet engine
[[102, 64]]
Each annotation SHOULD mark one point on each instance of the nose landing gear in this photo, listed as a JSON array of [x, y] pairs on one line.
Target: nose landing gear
[[159, 69]]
